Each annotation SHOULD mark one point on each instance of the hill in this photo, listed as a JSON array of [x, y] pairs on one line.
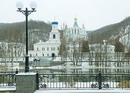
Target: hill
[[108, 31], [15, 32], [39, 30]]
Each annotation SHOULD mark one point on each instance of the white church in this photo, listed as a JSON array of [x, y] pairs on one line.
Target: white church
[[48, 48]]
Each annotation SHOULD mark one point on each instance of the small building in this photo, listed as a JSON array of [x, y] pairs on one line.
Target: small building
[[103, 50]]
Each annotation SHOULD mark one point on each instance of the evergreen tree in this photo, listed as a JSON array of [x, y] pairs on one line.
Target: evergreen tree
[[85, 46], [62, 48], [119, 46]]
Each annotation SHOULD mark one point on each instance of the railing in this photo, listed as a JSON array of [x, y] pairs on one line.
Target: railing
[[7, 78], [84, 81], [77, 81]]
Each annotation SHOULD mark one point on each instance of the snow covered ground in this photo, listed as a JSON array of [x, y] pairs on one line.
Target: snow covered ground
[[7, 88], [68, 90], [84, 91]]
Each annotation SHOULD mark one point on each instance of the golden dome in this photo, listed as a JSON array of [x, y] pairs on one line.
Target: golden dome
[[75, 19]]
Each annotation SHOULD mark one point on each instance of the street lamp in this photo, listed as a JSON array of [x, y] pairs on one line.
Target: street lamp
[[26, 12]]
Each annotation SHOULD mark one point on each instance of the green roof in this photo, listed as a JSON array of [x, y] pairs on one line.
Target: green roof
[[75, 24]]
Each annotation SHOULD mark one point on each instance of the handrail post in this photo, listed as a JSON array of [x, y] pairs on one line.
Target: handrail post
[[16, 71], [100, 80], [37, 81]]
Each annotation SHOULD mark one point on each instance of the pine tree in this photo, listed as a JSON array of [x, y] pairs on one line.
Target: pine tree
[[62, 48], [119, 47], [85, 46]]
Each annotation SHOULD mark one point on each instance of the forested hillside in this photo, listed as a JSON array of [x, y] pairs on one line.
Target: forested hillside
[[15, 32], [39, 30], [106, 32]]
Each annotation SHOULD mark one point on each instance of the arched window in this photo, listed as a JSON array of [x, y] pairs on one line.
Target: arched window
[[43, 49], [78, 31], [54, 36]]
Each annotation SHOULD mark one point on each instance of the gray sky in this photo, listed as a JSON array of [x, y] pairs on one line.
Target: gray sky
[[92, 13]]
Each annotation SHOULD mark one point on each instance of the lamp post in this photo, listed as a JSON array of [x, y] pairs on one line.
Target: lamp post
[[26, 12]]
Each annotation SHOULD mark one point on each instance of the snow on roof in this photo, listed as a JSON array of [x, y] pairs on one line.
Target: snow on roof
[[7, 88], [48, 42], [29, 73]]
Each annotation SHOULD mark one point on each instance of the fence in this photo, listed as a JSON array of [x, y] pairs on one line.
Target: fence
[[84, 81], [7, 79], [77, 81]]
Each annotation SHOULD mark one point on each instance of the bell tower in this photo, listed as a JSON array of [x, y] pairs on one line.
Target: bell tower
[[54, 34]]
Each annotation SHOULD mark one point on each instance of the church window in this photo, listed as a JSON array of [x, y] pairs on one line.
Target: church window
[[43, 49], [36, 54], [30, 55], [53, 48], [75, 31], [42, 54], [54, 36], [47, 54], [37, 48]]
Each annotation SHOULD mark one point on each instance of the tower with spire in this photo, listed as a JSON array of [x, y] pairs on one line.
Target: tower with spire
[[54, 34], [75, 22]]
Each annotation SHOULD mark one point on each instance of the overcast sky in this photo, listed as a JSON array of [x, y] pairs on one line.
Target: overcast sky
[[92, 13]]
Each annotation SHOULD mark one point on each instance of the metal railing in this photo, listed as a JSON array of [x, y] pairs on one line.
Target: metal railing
[[84, 81], [77, 81], [8, 78]]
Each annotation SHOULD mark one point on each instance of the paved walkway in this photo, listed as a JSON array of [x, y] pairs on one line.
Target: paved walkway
[[47, 90], [83, 91]]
